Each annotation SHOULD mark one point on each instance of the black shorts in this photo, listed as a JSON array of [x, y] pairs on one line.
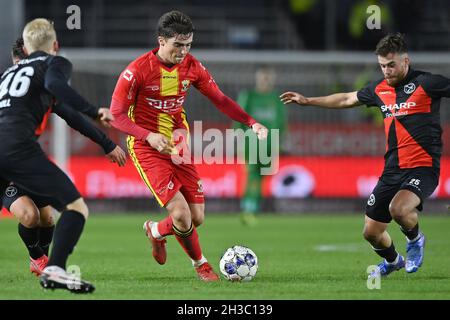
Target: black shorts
[[13, 192], [422, 181], [39, 177]]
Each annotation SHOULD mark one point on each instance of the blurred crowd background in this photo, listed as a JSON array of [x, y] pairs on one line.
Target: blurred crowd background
[[330, 159]]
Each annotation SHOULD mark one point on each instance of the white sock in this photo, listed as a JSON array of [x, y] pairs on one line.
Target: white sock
[[155, 232], [198, 263]]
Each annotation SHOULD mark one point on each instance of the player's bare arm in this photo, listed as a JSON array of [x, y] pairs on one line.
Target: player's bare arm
[[337, 100]]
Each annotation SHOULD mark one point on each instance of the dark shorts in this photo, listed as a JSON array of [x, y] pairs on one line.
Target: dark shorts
[[40, 179], [13, 192], [422, 181]]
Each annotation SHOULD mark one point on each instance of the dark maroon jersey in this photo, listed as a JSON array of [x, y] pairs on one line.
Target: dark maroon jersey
[[411, 118]]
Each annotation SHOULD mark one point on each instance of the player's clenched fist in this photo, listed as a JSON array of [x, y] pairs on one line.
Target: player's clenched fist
[[117, 156], [105, 117], [260, 131], [290, 96], [159, 142]]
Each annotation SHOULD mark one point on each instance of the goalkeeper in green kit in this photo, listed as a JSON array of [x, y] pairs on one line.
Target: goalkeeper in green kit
[[265, 106]]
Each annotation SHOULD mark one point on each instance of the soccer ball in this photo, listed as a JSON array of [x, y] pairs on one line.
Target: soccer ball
[[239, 263]]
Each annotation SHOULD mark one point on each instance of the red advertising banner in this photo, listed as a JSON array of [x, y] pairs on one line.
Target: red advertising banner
[[297, 177], [303, 139]]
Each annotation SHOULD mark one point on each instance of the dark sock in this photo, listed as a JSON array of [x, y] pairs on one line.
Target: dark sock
[[412, 233], [388, 253], [66, 235], [45, 238], [30, 237]]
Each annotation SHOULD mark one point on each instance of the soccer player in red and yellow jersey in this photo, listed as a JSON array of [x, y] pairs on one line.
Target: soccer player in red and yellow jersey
[[147, 104]]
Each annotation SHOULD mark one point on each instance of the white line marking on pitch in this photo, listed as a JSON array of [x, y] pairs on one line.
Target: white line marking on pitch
[[345, 247]]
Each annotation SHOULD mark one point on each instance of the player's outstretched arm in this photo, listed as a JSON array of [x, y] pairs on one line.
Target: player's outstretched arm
[[80, 123], [336, 101], [260, 130], [56, 82]]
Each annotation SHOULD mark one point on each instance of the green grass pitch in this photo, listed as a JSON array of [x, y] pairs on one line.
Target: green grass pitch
[[300, 257]]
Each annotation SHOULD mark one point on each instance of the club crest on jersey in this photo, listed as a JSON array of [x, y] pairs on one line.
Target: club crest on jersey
[[409, 88], [185, 85]]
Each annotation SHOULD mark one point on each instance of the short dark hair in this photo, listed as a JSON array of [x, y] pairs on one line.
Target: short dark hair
[[17, 49], [392, 43], [174, 22]]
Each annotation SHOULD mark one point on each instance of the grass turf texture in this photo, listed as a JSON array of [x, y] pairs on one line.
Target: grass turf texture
[[300, 257]]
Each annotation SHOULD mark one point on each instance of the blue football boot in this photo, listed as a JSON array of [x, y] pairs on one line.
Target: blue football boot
[[385, 268], [414, 254]]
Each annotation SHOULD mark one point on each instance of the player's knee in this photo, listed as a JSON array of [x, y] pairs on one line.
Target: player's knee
[[46, 219], [80, 206], [28, 216], [398, 211], [198, 220], [181, 216], [370, 234], [26, 211], [198, 215]]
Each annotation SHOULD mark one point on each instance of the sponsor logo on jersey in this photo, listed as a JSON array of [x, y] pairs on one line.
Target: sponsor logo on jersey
[[385, 92], [130, 93], [152, 88], [409, 88], [128, 75], [399, 106]]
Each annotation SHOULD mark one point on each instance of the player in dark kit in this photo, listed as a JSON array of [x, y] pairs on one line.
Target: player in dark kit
[[27, 91], [35, 215], [409, 101]]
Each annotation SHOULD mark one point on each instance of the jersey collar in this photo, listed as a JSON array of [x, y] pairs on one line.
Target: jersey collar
[[407, 78], [155, 58]]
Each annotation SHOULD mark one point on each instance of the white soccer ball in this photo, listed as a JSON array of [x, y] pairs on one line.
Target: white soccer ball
[[239, 263]]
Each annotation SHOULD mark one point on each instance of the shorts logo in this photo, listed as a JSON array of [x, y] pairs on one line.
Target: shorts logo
[[200, 186], [371, 200], [409, 88], [11, 191], [170, 185], [414, 182]]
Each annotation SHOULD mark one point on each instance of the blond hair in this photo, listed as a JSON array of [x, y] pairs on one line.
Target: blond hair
[[39, 34]]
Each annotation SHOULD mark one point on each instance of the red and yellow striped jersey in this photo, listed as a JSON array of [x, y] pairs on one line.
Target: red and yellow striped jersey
[[155, 93]]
